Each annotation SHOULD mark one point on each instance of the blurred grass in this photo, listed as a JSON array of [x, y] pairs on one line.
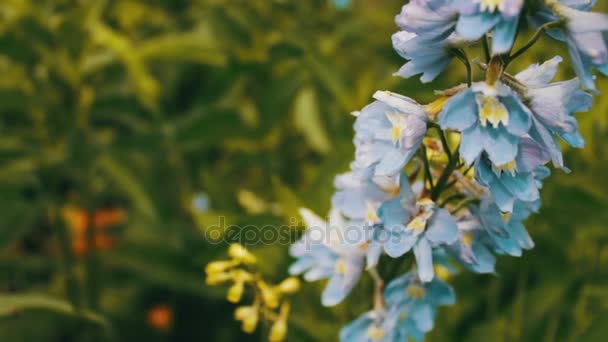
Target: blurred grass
[[145, 105]]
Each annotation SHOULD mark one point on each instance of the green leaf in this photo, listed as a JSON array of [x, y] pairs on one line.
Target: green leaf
[[130, 184], [16, 303], [307, 119]]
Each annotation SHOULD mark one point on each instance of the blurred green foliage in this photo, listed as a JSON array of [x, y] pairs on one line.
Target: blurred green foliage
[[141, 106]]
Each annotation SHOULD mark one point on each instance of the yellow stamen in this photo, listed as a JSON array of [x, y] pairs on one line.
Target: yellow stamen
[[371, 215], [433, 108], [467, 238], [340, 266], [416, 291], [492, 110], [442, 272], [398, 125], [418, 224], [375, 333], [505, 217], [507, 167], [490, 5]]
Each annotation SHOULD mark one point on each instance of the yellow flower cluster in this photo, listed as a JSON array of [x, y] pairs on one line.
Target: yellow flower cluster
[[269, 303]]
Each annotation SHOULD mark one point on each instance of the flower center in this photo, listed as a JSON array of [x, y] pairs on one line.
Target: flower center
[[416, 291], [467, 238], [340, 266], [398, 124], [371, 215], [507, 167], [375, 333], [490, 5], [491, 110]]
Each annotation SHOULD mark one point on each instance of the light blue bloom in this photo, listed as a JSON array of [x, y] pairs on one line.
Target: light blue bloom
[[426, 38], [417, 299], [341, 4], [553, 106], [200, 202], [320, 256], [372, 326], [410, 222], [425, 57], [482, 16], [435, 20], [516, 181], [585, 33], [491, 118], [388, 133], [471, 248], [507, 231], [359, 195]]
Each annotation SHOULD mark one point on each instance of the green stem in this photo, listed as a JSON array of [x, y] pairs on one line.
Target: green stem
[[428, 176], [462, 56], [532, 40], [445, 176], [67, 265], [486, 48]]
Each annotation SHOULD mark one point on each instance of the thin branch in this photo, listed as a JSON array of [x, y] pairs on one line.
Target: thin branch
[[486, 48], [462, 56], [428, 176], [532, 40]]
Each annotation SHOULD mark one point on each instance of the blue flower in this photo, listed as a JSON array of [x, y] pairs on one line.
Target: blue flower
[[553, 106], [435, 20], [585, 33], [425, 57], [471, 248], [372, 326], [341, 4], [359, 195], [491, 118], [388, 133], [514, 181], [478, 17], [508, 233], [418, 300], [410, 222], [321, 255]]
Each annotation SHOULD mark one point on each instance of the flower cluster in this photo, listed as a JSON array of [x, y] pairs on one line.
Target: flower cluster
[[269, 303], [451, 181]]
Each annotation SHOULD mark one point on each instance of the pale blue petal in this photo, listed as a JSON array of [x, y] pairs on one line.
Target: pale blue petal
[[424, 260], [500, 145], [392, 162], [504, 36], [334, 291], [471, 144], [519, 116], [442, 228], [423, 316], [475, 26], [460, 112]]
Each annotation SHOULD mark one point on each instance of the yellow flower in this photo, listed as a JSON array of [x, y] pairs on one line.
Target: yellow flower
[[289, 286], [248, 315], [240, 253], [278, 331]]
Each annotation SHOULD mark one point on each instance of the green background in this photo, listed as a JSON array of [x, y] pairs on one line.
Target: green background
[[143, 105]]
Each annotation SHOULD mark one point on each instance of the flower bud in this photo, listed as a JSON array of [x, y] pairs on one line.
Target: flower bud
[[248, 315], [219, 266], [218, 278], [289, 286], [235, 292], [269, 296], [240, 253], [278, 331]]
